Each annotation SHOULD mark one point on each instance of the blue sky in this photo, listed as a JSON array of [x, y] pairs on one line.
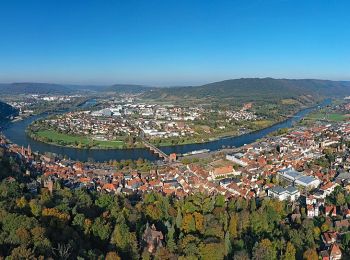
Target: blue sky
[[167, 42]]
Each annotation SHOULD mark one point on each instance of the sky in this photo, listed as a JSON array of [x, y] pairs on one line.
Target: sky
[[172, 42]]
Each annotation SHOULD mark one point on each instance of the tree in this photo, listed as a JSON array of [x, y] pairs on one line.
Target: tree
[[296, 238], [101, 229], [153, 212], [83, 199], [145, 255], [208, 205], [125, 241], [21, 202], [189, 245], [211, 251], [241, 255], [340, 199], [78, 221], [220, 200], [264, 250], [199, 222], [40, 241], [243, 221], [104, 201], [228, 246], [189, 207], [63, 251], [232, 228], [346, 241], [112, 256], [163, 254], [309, 239], [188, 224], [258, 222], [290, 252], [252, 205], [10, 189], [22, 253], [325, 227], [317, 232], [178, 218], [310, 254], [170, 242]]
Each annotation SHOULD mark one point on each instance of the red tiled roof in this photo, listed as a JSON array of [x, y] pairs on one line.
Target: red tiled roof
[[335, 250], [109, 186]]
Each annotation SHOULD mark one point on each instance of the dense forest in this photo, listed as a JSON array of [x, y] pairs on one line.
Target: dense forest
[[60, 223], [256, 89], [33, 88], [244, 89]]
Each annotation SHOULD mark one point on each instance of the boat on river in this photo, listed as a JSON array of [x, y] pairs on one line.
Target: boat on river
[[196, 152]]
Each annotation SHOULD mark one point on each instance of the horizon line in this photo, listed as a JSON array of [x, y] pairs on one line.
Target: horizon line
[[165, 85]]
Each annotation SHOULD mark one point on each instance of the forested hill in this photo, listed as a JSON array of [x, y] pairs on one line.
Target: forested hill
[[7, 111], [51, 88], [252, 89], [33, 88], [245, 89]]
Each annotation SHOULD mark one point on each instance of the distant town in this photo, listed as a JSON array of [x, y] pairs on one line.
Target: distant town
[[124, 122]]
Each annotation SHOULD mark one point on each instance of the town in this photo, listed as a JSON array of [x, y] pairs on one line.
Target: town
[[122, 123], [303, 166], [29, 105], [174, 130]]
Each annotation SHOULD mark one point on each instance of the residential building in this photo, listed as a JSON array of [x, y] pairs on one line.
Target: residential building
[[289, 193]]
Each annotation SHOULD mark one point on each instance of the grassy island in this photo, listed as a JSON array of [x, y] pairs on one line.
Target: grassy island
[[54, 137]]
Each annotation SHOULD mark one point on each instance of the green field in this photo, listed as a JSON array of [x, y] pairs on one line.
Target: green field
[[260, 124], [334, 117], [289, 101], [57, 138]]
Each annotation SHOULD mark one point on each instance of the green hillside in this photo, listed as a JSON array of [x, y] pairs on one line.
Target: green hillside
[[255, 89], [33, 88]]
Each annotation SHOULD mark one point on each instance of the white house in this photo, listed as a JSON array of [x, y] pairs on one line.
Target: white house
[[289, 193], [312, 211], [308, 182], [298, 178], [236, 160]]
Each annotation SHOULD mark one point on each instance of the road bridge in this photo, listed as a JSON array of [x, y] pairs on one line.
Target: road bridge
[[155, 150]]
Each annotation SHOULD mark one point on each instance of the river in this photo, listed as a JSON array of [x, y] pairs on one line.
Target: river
[[16, 133]]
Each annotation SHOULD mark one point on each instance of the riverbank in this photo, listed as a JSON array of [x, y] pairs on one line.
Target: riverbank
[[56, 138], [16, 133], [43, 133], [80, 142], [232, 134]]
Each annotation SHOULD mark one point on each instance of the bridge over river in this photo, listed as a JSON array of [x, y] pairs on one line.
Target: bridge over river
[[155, 150]]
